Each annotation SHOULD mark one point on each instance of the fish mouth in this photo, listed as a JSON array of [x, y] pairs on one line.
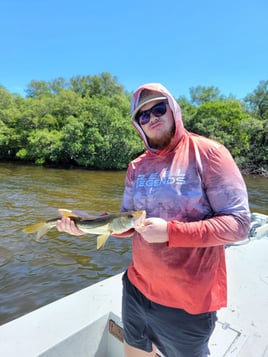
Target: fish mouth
[[139, 218]]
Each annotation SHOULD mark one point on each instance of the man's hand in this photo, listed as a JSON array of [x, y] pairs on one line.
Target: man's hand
[[154, 230], [65, 224]]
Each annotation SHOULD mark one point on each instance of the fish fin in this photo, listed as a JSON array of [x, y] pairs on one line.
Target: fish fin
[[84, 215], [40, 228], [101, 240], [81, 214], [67, 213]]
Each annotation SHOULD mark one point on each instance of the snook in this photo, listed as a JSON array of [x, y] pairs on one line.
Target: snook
[[102, 226]]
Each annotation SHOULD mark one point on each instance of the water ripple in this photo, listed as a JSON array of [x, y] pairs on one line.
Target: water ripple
[[34, 273]]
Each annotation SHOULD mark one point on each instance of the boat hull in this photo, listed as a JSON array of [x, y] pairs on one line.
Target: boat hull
[[88, 322]]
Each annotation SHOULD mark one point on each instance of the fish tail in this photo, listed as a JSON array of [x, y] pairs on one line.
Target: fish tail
[[34, 227], [40, 228]]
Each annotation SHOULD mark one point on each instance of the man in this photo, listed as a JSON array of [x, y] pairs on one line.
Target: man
[[196, 203]]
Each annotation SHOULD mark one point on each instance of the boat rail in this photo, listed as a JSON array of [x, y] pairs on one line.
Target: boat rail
[[258, 229]]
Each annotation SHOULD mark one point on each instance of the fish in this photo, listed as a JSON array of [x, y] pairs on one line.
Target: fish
[[118, 224]]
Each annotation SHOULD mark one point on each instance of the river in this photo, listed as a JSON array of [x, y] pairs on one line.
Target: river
[[34, 273]]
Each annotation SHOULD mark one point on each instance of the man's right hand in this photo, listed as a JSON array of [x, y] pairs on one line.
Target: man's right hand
[[65, 224]]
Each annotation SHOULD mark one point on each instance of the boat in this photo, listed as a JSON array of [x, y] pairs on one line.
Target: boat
[[88, 322]]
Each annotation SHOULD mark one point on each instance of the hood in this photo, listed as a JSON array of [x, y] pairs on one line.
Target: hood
[[175, 108]]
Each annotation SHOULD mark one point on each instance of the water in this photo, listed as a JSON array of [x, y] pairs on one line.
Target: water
[[34, 273]]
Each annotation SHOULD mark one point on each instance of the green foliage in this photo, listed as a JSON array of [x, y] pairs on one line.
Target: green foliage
[[102, 136], [96, 86], [201, 94], [222, 121], [41, 146], [258, 101], [86, 122]]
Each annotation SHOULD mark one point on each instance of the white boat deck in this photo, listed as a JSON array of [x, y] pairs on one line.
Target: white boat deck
[[78, 325], [77, 321], [245, 320]]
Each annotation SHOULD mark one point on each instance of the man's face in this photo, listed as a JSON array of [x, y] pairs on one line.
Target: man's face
[[160, 129]]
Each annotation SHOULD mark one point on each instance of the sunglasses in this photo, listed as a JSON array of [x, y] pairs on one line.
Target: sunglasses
[[157, 110]]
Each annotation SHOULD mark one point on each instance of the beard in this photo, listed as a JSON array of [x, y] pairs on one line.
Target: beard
[[164, 141]]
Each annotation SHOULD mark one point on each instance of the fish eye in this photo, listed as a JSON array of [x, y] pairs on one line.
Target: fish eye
[[130, 215]]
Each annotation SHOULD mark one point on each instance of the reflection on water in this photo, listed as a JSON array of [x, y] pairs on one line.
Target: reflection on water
[[35, 273], [258, 193]]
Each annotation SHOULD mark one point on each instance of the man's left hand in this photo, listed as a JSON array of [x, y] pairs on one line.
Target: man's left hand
[[154, 230]]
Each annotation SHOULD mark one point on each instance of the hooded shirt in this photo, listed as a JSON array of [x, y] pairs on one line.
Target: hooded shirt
[[195, 185]]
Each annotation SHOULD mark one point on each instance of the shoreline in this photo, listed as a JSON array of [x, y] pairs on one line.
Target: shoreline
[[254, 171]]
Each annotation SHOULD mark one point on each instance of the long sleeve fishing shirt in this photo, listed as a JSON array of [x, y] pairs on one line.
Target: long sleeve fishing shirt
[[196, 186]]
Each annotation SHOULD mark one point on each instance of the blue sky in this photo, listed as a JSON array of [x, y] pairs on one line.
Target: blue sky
[[181, 44]]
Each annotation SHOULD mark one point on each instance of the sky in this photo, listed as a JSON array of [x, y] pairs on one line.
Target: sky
[[179, 43]]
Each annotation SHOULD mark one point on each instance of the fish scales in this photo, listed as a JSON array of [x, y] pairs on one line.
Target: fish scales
[[102, 226]]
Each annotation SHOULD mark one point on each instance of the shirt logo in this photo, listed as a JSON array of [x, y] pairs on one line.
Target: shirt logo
[[155, 179]]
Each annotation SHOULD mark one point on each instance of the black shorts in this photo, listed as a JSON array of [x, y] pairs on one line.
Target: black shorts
[[173, 331]]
